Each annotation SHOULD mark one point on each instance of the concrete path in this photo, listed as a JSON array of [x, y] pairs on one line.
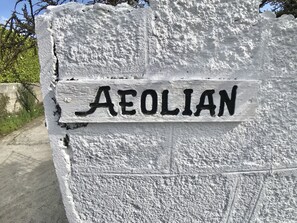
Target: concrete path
[[29, 190]]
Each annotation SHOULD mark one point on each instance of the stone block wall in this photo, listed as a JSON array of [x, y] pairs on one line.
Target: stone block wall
[[175, 172]]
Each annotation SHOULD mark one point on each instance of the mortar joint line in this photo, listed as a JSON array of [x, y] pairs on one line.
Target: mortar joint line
[[257, 200], [171, 147], [237, 183], [177, 174]]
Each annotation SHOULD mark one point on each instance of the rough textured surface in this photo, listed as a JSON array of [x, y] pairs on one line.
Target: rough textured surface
[[121, 54], [175, 172], [124, 148], [154, 199]]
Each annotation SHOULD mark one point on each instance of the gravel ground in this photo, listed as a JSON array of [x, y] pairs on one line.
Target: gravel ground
[[29, 187]]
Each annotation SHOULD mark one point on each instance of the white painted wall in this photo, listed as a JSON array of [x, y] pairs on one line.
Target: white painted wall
[[175, 172]]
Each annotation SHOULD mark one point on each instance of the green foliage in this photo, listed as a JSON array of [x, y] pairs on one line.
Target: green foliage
[[26, 69], [4, 99], [26, 97], [12, 122], [22, 67]]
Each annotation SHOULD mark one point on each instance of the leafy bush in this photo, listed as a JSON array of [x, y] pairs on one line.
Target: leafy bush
[[18, 58], [26, 69], [26, 97], [12, 122]]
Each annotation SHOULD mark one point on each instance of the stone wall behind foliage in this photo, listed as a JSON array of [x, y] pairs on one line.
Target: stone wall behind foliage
[[10, 90]]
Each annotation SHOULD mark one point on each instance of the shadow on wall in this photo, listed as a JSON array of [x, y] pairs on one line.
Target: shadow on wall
[[29, 191], [10, 90]]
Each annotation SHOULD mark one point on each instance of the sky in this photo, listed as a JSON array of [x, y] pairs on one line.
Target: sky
[[265, 8], [6, 7]]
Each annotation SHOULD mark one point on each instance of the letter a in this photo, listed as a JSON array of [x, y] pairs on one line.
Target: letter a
[[211, 106], [96, 104]]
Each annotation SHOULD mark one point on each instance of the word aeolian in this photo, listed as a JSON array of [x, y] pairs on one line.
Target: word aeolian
[[127, 107]]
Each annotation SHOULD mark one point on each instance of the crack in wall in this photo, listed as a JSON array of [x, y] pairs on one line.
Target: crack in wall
[[58, 111], [67, 153], [56, 69]]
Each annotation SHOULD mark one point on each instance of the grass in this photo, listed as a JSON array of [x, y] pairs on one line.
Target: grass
[[12, 122]]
